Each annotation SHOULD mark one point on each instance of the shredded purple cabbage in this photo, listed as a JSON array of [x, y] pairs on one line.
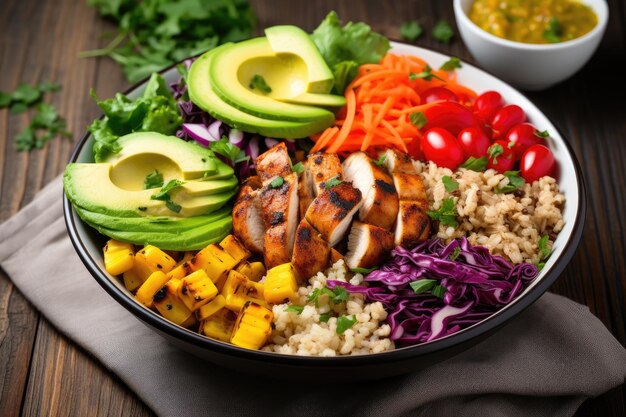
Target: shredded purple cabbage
[[476, 285]]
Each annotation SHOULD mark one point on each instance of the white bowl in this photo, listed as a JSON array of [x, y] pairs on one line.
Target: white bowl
[[530, 66]]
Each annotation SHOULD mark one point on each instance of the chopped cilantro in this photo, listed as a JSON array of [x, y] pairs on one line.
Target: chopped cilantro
[[542, 134], [442, 31], [411, 30], [332, 182], [294, 309], [163, 195], [344, 323], [153, 180], [277, 182], [449, 183], [439, 291], [381, 160], [259, 83], [427, 74], [446, 214], [554, 31], [475, 164], [228, 150], [455, 254], [298, 168], [544, 249], [422, 285], [173, 206], [515, 182], [336, 296], [324, 317], [494, 151], [418, 119], [363, 270], [451, 64]]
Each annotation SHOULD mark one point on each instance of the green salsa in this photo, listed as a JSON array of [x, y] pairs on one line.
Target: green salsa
[[534, 21]]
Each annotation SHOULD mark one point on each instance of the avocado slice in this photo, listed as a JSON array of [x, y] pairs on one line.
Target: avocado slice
[[233, 68], [202, 94]]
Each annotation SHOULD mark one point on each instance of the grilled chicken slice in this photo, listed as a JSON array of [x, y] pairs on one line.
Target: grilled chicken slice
[[279, 206], [380, 200], [273, 163], [368, 245], [320, 167], [412, 224], [409, 187], [305, 196], [247, 218], [311, 252], [396, 161], [331, 212]]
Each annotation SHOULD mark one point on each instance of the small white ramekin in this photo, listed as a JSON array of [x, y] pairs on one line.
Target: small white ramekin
[[530, 66]]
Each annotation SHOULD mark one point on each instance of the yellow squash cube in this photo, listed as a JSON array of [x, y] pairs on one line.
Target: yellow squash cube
[[281, 284], [171, 307], [147, 290], [151, 259], [235, 248], [196, 290], [119, 257], [254, 271], [132, 280], [253, 326], [215, 262], [219, 325], [238, 290], [211, 308]]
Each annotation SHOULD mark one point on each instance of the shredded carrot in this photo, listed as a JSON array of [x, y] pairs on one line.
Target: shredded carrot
[[379, 102]]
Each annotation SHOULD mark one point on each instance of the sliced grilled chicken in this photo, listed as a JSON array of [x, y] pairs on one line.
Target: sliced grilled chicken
[[409, 187], [331, 212], [311, 252], [412, 224], [305, 196], [279, 206], [320, 167], [396, 161], [368, 245], [380, 200], [247, 218], [273, 163]]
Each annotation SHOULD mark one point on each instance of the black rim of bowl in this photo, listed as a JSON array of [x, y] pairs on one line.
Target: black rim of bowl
[[483, 327]]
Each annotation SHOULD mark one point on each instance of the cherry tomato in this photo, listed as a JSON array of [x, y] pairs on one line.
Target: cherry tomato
[[466, 100], [437, 94], [536, 162], [451, 116], [487, 104], [500, 157], [414, 149], [522, 136], [474, 142], [442, 148], [505, 119]]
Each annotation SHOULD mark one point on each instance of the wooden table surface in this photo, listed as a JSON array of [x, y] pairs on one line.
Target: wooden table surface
[[44, 374]]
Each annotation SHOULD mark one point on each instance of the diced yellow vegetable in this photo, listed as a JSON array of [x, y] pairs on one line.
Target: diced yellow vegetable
[[132, 280], [186, 258], [149, 288], [281, 284], [211, 308], [253, 326], [219, 325], [253, 271], [235, 248], [196, 290], [181, 271], [170, 306], [238, 289], [119, 257], [215, 262], [151, 259]]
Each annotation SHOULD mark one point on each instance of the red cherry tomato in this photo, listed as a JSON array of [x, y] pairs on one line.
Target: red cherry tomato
[[523, 137], [474, 142], [414, 149], [437, 94], [505, 119], [466, 100], [451, 116], [442, 148], [487, 104], [500, 157], [536, 162]]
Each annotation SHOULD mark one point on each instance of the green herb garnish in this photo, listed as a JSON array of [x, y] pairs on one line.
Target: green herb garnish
[[442, 31], [475, 164], [427, 74], [554, 31], [363, 270], [228, 150], [515, 182], [455, 254], [173, 206], [344, 323], [324, 317], [153, 180], [494, 151], [542, 134], [259, 83], [277, 182], [544, 249], [298, 168], [418, 119], [439, 291], [411, 30], [163, 195], [422, 285], [381, 160], [451, 64], [332, 182], [446, 214], [449, 183], [294, 309]]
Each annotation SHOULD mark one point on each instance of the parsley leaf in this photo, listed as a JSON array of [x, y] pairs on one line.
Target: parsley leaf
[[324, 317], [475, 164], [153, 180], [446, 214], [277, 182], [339, 295], [455, 254], [163, 193], [298, 168], [442, 31], [544, 249], [515, 182], [449, 183], [411, 30], [426, 74], [494, 151], [554, 31], [259, 83], [294, 309], [542, 134], [422, 285], [228, 150], [344, 323], [451, 64], [418, 119], [332, 182]]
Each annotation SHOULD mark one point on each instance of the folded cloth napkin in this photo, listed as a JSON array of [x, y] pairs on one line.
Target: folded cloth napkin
[[544, 363]]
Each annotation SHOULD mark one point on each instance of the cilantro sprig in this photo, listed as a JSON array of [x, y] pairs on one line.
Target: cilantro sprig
[[258, 82], [443, 32], [446, 214], [427, 74], [344, 323], [515, 182], [411, 30], [449, 183], [475, 164], [451, 64], [153, 180], [164, 195], [418, 119]]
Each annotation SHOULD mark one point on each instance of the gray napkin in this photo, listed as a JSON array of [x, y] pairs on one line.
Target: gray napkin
[[544, 363]]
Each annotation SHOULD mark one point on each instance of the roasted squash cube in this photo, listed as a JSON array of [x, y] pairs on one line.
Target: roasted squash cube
[[211, 308], [132, 280], [170, 306], [219, 325], [215, 262], [235, 248], [119, 257], [281, 284], [253, 326], [151, 259], [196, 290], [238, 289], [147, 290], [254, 271]]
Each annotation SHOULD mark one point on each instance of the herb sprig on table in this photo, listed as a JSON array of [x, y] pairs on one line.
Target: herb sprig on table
[[156, 33]]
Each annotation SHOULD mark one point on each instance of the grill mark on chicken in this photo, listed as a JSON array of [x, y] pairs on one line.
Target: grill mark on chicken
[[277, 218], [385, 186]]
